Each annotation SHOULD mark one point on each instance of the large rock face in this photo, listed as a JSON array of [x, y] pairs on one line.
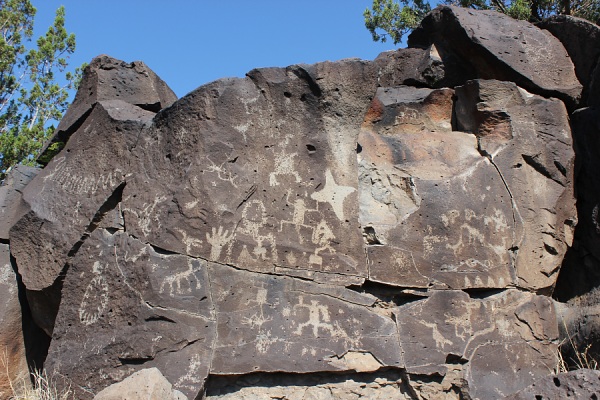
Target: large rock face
[[476, 188], [385, 229]]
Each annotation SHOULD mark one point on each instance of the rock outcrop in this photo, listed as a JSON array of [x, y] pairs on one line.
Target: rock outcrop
[[386, 229]]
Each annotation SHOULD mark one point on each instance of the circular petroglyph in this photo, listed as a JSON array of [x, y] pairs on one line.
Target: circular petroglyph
[[95, 298]]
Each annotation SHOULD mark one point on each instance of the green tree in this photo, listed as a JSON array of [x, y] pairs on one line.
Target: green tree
[[392, 19], [34, 83]]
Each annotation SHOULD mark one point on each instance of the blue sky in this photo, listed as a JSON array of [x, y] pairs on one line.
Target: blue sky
[[190, 43]]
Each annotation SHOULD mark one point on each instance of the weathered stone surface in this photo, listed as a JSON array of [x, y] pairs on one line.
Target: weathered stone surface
[[386, 385], [270, 323], [147, 384], [489, 339], [536, 166], [419, 67], [126, 307], [71, 191], [581, 39], [70, 196], [105, 79], [580, 384], [11, 206], [259, 172], [188, 317], [500, 47], [14, 372], [579, 327], [465, 201]]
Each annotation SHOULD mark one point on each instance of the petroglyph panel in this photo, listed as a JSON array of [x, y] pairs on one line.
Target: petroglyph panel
[[139, 306], [278, 224], [427, 219], [472, 329], [535, 164], [444, 208], [283, 195], [68, 193], [277, 323]]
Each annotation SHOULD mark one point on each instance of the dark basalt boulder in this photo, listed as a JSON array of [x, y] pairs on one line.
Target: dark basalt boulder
[[500, 47], [107, 78], [581, 39], [581, 271], [15, 369], [12, 208]]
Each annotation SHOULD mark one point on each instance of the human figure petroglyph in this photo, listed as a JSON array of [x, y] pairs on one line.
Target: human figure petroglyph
[[222, 173], [247, 102], [322, 237], [95, 298], [258, 320], [318, 318], [191, 378], [254, 219], [264, 340], [284, 165], [298, 216]]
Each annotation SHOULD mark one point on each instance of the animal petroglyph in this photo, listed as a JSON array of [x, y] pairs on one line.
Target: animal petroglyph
[[95, 298], [221, 172], [184, 281], [333, 194], [440, 340], [147, 220], [471, 231]]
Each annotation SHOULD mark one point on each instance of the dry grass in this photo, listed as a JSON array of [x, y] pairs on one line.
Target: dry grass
[[582, 359], [42, 389], [34, 386]]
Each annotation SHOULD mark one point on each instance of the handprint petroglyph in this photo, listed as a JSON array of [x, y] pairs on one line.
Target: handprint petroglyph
[[218, 239]]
